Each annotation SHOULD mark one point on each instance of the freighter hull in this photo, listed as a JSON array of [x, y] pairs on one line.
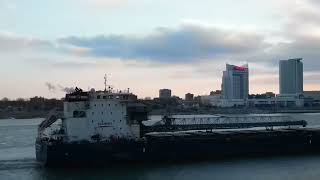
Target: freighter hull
[[181, 146], [59, 154]]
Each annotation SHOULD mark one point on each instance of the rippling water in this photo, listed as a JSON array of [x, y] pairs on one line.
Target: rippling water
[[17, 161]]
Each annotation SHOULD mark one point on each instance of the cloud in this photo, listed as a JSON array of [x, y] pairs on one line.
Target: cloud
[[10, 42], [103, 3], [301, 17], [13, 42], [186, 43], [304, 47]]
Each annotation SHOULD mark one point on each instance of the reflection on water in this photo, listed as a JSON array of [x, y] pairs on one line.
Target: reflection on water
[[17, 161]]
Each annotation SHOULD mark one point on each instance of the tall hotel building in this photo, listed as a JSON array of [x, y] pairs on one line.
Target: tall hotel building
[[291, 77], [235, 82]]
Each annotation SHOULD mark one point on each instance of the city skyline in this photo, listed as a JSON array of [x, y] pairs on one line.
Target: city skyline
[[228, 73], [49, 46]]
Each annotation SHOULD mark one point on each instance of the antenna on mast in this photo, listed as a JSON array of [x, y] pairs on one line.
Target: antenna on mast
[[105, 82]]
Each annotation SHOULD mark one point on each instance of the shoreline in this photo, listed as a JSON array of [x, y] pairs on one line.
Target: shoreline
[[33, 115]]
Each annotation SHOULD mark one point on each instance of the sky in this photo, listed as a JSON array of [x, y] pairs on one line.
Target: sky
[[47, 47]]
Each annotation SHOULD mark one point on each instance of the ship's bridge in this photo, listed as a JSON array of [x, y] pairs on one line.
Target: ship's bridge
[[122, 96]]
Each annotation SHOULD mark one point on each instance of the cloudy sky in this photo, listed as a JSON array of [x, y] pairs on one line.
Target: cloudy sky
[[145, 45]]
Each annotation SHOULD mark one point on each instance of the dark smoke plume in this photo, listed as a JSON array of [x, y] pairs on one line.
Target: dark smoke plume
[[51, 87]]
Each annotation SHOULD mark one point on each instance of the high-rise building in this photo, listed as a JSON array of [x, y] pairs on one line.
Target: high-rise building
[[164, 93], [189, 97], [291, 76], [235, 82]]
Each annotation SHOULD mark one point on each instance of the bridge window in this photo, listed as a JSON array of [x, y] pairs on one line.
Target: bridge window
[[98, 97], [104, 97], [80, 114]]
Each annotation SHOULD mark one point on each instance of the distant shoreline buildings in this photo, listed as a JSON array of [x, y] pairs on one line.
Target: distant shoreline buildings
[[165, 93], [235, 88], [291, 77]]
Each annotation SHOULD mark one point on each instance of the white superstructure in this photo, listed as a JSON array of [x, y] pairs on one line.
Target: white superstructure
[[102, 116]]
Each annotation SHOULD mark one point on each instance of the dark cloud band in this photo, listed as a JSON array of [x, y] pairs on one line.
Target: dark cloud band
[[168, 45]]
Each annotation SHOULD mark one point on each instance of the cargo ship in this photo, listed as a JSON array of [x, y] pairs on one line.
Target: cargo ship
[[99, 127]]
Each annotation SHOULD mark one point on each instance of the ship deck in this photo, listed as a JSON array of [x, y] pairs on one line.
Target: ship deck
[[233, 134]]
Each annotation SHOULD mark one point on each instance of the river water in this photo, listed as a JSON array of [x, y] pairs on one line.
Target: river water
[[17, 161]]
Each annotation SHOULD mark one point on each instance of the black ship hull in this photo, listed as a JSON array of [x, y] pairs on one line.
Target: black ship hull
[[180, 146]]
